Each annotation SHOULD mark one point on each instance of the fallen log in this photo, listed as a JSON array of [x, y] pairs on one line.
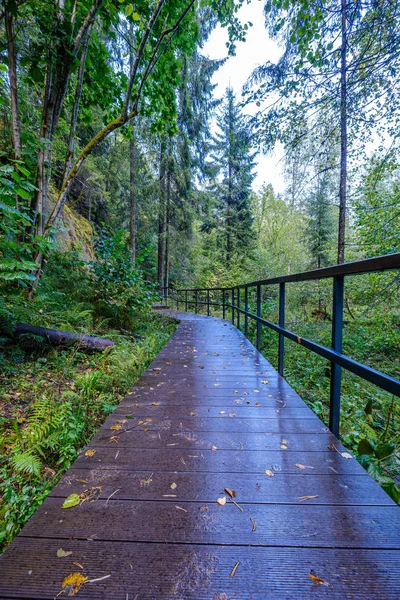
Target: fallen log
[[64, 338]]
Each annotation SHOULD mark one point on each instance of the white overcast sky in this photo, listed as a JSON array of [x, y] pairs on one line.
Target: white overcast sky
[[256, 50]]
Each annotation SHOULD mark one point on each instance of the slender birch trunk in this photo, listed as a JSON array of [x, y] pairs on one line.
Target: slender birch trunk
[[343, 135]]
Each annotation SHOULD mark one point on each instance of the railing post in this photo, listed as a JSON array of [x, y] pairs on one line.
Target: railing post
[[238, 307], [208, 303], [337, 339], [246, 308], [258, 344], [223, 304], [233, 304], [281, 343], [186, 300], [196, 300]]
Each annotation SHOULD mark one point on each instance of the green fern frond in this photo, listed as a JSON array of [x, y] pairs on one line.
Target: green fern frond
[[26, 463]]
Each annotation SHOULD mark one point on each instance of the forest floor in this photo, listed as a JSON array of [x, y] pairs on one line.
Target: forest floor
[[54, 399]]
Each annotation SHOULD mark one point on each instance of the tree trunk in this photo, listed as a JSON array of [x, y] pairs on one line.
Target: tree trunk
[[167, 224], [161, 218], [75, 110], [132, 199], [63, 338], [12, 70], [343, 136]]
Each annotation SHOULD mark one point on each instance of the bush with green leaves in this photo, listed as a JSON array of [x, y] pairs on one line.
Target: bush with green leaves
[[120, 289], [18, 246]]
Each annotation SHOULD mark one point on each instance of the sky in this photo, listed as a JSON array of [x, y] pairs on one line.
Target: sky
[[256, 50]]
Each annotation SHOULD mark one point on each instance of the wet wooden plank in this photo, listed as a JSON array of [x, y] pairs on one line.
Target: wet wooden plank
[[278, 424], [195, 522], [319, 442], [220, 461], [190, 572], [206, 487]]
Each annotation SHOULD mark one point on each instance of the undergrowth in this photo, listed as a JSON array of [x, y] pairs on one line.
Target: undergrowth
[[53, 399]]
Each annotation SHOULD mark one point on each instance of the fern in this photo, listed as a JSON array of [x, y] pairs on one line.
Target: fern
[[26, 463]]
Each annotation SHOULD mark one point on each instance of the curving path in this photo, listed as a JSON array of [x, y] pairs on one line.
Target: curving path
[[211, 413]]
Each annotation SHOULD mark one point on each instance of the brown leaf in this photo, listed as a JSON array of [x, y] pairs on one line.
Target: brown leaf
[[302, 467], [283, 447], [314, 578], [214, 448], [304, 498], [90, 452], [155, 404], [234, 569], [72, 583], [116, 427], [193, 414], [269, 473], [230, 493], [253, 524]]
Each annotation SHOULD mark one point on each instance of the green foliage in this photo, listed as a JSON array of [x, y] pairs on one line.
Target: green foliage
[[16, 256], [119, 285]]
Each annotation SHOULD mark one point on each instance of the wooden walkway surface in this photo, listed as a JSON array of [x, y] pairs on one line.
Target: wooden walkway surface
[[210, 413]]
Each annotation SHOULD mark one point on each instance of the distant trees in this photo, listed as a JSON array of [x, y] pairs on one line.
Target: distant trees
[[339, 63], [232, 172]]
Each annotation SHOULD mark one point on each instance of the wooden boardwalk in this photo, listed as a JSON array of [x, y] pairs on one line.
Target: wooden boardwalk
[[210, 413]]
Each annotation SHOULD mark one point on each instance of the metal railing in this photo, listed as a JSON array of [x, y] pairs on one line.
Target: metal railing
[[333, 353]]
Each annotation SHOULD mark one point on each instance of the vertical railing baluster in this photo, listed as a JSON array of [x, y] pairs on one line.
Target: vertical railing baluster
[[223, 304], [246, 308], [337, 345], [208, 303], [196, 300], [281, 342], [258, 344], [233, 304]]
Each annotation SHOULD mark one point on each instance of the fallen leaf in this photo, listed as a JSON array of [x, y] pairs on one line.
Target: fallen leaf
[[116, 427], [214, 448], [61, 553], [346, 455], [221, 412], [234, 569], [304, 498], [148, 419], [222, 501], [180, 508], [90, 452], [78, 565], [264, 381], [283, 447], [285, 442], [230, 493], [72, 583], [173, 486], [256, 391], [141, 422], [232, 414], [193, 414], [253, 524], [302, 467], [71, 501], [314, 578], [155, 404], [269, 473]]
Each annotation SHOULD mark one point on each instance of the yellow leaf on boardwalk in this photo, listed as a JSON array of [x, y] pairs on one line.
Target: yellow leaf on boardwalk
[[72, 583]]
